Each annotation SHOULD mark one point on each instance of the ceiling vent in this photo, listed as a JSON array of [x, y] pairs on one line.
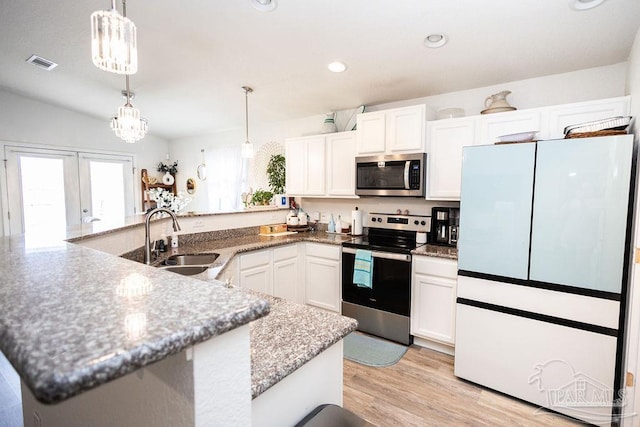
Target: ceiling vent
[[41, 62]]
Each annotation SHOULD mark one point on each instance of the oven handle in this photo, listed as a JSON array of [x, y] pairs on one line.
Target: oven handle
[[385, 255]]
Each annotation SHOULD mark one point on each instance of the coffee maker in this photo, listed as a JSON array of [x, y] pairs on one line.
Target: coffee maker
[[445, 226]]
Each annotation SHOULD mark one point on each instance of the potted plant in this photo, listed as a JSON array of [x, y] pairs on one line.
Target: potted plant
[[261, 197], [276, 173]]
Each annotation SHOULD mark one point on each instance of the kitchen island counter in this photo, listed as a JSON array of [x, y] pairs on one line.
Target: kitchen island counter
[[74, 318]]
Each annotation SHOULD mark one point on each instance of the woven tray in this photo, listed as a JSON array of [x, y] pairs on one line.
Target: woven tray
[[298, 228], [596, 133]]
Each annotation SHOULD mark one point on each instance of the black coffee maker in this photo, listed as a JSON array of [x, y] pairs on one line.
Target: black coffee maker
[[445, 226]]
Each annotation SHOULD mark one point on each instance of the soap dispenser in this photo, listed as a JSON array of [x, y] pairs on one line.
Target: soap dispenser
[[331, 228]]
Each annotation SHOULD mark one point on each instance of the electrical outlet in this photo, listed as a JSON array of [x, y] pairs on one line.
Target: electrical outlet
[[324, 217], [198, 223], [315, 216]]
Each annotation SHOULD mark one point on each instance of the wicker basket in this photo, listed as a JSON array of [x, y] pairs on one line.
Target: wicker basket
[[605, 132]]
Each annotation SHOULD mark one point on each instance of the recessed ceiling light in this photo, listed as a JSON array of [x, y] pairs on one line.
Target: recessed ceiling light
[[435, 40], [337, 67], [264, 5], [585, 4]]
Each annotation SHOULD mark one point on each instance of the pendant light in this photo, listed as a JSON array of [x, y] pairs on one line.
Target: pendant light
[[128, 124], [247, 146], [113, 41]]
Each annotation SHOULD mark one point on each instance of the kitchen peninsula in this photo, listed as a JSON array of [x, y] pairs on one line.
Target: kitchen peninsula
[[107, 341]]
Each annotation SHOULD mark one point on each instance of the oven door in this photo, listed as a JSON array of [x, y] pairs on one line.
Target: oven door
[[391, 289]]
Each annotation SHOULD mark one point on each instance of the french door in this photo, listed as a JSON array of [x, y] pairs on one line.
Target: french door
[[49, 190]]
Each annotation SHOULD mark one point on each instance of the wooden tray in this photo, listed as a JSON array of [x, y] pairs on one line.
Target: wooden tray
[[298, 228]]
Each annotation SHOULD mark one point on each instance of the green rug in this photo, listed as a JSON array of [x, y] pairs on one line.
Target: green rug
[[372, 351]]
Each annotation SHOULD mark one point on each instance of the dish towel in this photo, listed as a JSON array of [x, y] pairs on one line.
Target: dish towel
[[363, 269]]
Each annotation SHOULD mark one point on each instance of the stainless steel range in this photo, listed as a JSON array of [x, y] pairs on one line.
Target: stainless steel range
[[383, 309]]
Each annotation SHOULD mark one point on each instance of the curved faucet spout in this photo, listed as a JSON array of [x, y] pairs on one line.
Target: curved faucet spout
[[147, 221]]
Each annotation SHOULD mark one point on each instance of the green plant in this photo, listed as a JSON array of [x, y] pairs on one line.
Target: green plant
[[261, 197], [276, 172], [172, 169]]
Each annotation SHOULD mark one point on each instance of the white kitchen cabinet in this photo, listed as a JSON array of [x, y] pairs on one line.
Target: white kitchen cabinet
[[321, 165], [341, 165], [562, 116], [395, 131], [445, 139], [305, 166], [322, 276], [491, 126], [274, 272], [286, 274], [433, 301], [255, 271]]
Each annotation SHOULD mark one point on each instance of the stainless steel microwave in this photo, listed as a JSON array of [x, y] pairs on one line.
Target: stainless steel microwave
[[395, 175]]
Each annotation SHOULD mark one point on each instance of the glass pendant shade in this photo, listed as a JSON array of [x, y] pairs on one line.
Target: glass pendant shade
[[113, 42], [247, 150], [128, 125]]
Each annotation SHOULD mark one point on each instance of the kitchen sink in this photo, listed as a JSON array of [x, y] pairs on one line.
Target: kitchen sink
[[186, 270], [191, 260]]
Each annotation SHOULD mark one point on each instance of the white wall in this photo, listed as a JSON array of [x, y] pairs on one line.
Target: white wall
[[24, 120], [584, 85]]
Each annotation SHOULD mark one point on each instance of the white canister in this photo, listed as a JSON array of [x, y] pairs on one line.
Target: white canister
[[292, 221], [421, 238], [302, 218]]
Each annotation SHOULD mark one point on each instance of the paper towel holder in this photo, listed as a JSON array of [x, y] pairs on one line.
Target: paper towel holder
[[356, 222]]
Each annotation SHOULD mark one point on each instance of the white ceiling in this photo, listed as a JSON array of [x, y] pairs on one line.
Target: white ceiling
[[195, 55]]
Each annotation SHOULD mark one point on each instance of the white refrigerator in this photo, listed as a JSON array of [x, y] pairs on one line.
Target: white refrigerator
[[543, 259]]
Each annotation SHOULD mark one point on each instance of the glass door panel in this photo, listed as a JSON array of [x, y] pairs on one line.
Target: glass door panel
[[42, 189]]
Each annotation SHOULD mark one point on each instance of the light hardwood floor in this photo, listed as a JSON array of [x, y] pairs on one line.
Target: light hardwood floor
[[421, 390]]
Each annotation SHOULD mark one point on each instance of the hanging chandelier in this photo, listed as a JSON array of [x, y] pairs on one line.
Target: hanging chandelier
[[127, 124], [247, 146], [113, 41]]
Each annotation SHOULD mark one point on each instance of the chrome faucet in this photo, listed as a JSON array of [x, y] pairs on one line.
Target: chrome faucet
[[147, 240]]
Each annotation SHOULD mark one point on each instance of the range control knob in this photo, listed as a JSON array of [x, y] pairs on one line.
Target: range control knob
[[423, 223], [379, 219], [416, 222]]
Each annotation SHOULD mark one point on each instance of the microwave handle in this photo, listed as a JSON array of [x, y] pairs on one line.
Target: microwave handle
[[407, 167]]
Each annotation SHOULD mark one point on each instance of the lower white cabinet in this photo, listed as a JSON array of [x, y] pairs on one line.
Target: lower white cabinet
[[286, 274], [322, 276], [433, 299], [273, 271]]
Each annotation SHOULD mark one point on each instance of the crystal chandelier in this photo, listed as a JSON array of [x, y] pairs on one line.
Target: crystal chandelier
[[247, 146], [113, 41], [127, 124]]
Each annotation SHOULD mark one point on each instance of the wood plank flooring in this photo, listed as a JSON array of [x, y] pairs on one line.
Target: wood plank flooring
[[421, 390]]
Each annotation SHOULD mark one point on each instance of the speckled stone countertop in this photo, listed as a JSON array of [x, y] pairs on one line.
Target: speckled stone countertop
[[437, 251], [72, 318], [288, 337]]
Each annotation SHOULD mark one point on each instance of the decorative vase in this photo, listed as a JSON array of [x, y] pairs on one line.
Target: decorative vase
[[329, 125], [168, 179]]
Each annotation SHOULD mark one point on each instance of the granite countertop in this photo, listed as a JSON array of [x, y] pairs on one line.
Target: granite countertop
[[437, 251], [72, 318], [288, 337]]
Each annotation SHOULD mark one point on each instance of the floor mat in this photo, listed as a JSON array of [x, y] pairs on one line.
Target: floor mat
[[372, 351]]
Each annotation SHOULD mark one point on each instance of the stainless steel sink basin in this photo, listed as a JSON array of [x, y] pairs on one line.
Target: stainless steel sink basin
[[187, 270], [194, 259]]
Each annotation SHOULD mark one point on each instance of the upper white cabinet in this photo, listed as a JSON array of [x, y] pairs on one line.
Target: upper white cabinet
[[445, 138], [491, 126], [321, 165], [305, 159], [561, 116], [399, 130]]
